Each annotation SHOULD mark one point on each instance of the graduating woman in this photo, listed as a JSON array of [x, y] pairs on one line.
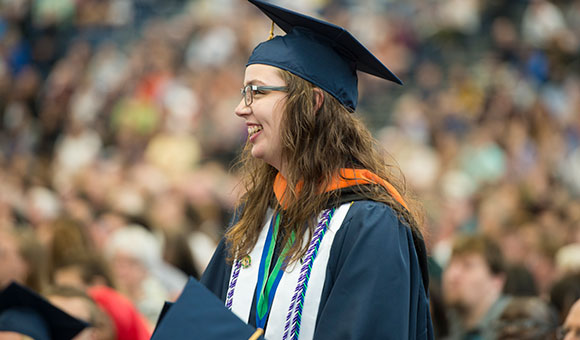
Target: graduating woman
[[325, 244]]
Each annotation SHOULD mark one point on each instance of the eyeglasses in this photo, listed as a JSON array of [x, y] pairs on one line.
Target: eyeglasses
[[249, 91], [564, 331]]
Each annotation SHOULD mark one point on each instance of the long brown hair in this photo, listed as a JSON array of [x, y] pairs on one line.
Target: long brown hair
[[315, 146]]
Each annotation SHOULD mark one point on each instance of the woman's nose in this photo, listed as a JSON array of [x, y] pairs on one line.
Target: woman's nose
[[242, 109]]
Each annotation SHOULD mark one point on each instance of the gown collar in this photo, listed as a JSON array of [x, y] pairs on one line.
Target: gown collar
[[346, 177]]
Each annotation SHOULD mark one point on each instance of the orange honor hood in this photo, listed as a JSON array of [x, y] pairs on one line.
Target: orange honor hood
[[346, 178]]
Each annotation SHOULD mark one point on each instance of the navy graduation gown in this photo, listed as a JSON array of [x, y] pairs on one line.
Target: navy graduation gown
[[375, 286]]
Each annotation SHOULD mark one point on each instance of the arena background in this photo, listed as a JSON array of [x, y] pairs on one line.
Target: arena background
[[117, 131]]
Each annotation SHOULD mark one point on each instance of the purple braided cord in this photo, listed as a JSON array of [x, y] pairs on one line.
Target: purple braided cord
[[232, 287], [300, 291]]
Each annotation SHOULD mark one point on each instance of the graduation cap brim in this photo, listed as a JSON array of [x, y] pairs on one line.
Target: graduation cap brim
[[364, 60], [199, 314], [26, 312]]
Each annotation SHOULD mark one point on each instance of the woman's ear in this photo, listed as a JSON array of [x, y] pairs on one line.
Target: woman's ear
[[318, 98]]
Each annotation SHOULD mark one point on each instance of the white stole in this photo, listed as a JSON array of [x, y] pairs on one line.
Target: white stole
[[248, 279]]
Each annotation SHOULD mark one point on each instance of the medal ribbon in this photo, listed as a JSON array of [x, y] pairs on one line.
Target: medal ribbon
[[268, 281]]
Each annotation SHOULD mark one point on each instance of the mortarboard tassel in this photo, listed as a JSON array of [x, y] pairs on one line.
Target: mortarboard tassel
[[271, 32]]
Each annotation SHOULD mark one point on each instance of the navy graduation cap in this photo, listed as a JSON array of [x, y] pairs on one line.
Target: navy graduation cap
[[323, 53], [24, 311], [199, 314]]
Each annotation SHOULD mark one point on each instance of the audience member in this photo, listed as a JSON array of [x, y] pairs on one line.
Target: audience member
[[138, 266], [519, 281], [570, 330], [472, 287], [78, 304], [527, 318], [22, 259], [128, 322], [91, 274], [12, 264], [564, 293]]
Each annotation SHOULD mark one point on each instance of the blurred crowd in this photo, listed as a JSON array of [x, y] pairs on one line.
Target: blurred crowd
[[117, 141]]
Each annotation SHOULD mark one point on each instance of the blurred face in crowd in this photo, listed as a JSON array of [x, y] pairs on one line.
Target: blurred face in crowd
[[264, 114], [467, 281], [571, 327], [129, 271], [526, 318], [12, 264]]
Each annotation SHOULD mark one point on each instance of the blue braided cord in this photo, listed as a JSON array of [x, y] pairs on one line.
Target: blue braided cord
[[300, 305]]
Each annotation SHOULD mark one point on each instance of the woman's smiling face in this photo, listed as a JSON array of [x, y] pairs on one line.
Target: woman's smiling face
[[264, 114]]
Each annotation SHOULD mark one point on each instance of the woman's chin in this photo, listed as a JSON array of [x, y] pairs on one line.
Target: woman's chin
[[258, 153]]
